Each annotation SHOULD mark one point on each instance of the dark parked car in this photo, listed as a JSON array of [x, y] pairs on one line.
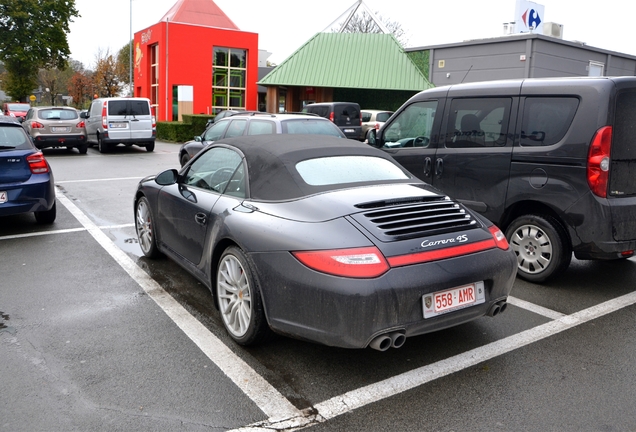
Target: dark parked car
[[26, 180], [323, 239], [345, 115], [550, 161], [257, 123], [52, 127]]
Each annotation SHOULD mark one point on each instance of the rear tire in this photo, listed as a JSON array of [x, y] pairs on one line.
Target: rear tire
[[46, 217], [150, 147], [83, 148], [101, 145], [542, 247], [239, 299]]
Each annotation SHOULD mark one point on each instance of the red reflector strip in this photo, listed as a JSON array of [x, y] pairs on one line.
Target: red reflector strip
[[434, 255]]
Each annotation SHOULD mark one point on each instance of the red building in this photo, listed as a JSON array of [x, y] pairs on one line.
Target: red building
[[195, 60]]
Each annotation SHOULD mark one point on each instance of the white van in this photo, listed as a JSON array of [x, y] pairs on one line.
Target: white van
[[113, 121]]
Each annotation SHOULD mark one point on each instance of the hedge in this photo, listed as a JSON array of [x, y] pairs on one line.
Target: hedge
[[191, 126]]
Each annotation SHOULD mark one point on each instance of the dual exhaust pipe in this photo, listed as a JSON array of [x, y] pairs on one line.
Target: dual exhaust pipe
[[388, 340], [396, 339], [497, 308]]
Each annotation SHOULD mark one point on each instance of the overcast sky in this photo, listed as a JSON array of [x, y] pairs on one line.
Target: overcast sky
[[285, 25]]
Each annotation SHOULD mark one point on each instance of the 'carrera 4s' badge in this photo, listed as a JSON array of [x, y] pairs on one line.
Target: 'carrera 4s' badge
[[459, 239]]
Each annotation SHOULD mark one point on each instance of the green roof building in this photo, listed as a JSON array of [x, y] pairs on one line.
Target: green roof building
[[369, 68]]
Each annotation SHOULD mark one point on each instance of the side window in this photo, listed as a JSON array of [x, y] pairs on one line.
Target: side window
[[261, 127], [546, 120], [236, 128], [213, 170], [95, 109], [412, 127], [236, 185], [366, 116], [215, 132], [479, 122]]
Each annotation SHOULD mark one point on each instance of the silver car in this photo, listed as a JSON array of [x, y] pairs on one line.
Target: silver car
[[51, 127]]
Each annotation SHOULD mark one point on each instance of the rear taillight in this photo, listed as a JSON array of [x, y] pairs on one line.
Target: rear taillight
[[500, 238], [37, 125], [37, 163], [331, 117], [154, 122], [377, 126], [104, 116], [598, 161], [80, 125], [366, 262]]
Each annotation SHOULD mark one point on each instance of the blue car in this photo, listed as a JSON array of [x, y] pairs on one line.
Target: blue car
[[26, 179]]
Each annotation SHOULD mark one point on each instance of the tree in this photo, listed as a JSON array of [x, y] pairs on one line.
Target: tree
[[54, 82], [33, 36], [123, 66], [364, 23], [106, 75]]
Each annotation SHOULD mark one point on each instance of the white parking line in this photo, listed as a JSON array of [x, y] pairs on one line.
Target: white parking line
[[62, 231], [266, 397], [540, 310], [98, 180]]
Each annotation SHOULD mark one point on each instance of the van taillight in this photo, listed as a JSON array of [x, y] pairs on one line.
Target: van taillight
[[104, 119], [154, 122], [331, 118], [598, 161]]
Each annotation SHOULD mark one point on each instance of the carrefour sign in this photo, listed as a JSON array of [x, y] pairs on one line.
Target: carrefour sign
[[528, 17]]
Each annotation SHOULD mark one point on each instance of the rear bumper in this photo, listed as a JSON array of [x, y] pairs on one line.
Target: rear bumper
[[47, 141], [37, 194], [349, 313]]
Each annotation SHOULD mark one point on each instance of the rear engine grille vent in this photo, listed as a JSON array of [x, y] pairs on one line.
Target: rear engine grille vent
[[414, 217]]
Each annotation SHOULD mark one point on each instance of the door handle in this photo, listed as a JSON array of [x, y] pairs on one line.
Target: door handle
[[428, 164], [200, 218], [439, 167]]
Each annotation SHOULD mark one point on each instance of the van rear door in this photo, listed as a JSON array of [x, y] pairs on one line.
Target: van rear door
[[140, 119], [118, 120]]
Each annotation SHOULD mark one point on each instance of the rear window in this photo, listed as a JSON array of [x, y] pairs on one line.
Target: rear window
[[348, 169], [128, 107], [312, 127], [624, 123], [18, 107], [346, 110], [383, 116], [14, 138], [546, 120], [57, 114]]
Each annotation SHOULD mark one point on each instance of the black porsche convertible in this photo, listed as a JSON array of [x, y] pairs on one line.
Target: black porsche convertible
[[321, 239]]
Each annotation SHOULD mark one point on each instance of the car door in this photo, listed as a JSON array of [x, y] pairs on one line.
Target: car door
[[472, 160], [141, 119], [411, 137], [185, 209]]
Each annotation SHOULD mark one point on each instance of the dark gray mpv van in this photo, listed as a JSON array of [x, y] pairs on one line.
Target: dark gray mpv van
[[551, 161]]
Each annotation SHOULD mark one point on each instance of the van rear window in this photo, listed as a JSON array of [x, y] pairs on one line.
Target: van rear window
[[128, 107], [624, 123], [546, 120]]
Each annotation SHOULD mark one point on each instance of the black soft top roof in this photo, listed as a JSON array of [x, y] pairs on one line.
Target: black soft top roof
[[271, 162]]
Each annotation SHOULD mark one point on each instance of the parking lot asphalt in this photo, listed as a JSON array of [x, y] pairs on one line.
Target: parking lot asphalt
[[95, 337]]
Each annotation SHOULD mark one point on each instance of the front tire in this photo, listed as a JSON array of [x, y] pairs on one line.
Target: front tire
[[542, 247], [144, 223], [185, 157], [239, 298]]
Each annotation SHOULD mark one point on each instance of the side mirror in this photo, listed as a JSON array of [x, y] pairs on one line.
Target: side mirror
[[371, 138], [198, 138], [85, 114], [167, 178]]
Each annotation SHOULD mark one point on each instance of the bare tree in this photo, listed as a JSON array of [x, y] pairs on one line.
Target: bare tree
[[365, 23]]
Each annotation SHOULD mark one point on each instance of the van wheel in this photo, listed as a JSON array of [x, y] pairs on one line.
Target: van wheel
[[150, 147], [542, 247], [101, 145]]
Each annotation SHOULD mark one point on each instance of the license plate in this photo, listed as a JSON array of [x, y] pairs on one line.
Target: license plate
[[453, 299], [349, 130], [118, 125], [59, 129], [3, 197]]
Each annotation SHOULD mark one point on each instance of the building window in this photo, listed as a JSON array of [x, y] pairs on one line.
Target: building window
[[228, 78], [595, 69], [154, 77]]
